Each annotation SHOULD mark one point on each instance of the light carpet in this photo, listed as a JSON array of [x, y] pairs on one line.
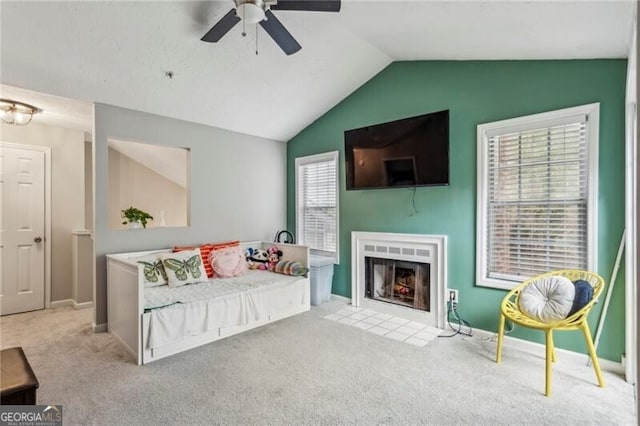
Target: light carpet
[[306, 370]]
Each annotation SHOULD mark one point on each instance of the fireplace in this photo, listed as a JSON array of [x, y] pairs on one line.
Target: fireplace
[[400, 274], [399, 282]]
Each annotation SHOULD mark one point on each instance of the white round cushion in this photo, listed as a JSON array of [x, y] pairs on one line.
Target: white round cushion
[[547, 299]]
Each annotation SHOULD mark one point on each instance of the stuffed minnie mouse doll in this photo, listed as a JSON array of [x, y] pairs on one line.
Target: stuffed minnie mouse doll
[[273, 257]]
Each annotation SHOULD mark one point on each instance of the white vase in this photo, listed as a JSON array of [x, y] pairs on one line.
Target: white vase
[[135, 225], [161, 222]]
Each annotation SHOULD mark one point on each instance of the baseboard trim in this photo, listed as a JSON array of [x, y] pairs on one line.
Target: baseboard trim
[[99, 328], [61, 303], [538, 349], [127, 349], [83, 305], [69, 302], [339, 298], [529, 346]]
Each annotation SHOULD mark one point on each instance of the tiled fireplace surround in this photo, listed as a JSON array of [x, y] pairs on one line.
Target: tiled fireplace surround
[[431, 249]]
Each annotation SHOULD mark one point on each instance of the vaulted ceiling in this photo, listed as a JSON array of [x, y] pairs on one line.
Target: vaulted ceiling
[[118, 52]]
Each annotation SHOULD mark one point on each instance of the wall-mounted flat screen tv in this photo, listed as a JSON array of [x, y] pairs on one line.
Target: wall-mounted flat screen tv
[[403, 153]]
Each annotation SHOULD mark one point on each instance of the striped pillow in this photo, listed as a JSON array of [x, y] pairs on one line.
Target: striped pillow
[[205, 249], [290, 267]]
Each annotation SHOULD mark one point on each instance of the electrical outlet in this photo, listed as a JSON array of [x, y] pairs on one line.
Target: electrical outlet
[[453, 296]]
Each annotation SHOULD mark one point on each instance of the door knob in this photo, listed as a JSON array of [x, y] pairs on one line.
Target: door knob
[[38, 239]]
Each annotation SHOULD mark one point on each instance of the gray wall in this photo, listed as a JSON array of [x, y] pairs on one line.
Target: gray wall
[[67, 193], [237, 186]]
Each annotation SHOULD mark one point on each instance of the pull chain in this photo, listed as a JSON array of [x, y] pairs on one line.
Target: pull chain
[[244, 27], [256, 39]]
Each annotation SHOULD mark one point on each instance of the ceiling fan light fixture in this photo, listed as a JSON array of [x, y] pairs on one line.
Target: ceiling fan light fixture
[[18, 113], [251, 11], [260, 12]]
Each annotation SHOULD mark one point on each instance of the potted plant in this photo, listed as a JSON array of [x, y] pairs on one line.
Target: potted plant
[[135, 217]]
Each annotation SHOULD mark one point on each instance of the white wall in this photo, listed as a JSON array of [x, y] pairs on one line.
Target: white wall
[[67, 193], [631, 206], [133, 184], [237, 185], [636, 38], [632, 215]]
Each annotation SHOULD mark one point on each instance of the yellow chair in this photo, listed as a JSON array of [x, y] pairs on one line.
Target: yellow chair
[[510, 310]]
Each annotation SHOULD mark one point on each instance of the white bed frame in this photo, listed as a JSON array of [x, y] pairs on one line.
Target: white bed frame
[[128, 322]]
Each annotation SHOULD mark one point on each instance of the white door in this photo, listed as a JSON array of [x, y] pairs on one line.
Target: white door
[[22, 248]]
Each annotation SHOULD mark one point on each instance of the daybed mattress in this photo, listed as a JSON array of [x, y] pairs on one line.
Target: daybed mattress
[[220, 302]]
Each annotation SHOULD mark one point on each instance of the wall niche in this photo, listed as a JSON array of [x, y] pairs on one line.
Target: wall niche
[[151, 178]]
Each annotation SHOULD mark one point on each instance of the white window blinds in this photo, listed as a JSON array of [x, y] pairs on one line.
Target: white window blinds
[[536, 200], [317, 202]]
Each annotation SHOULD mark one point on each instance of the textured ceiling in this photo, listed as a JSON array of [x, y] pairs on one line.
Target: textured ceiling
[[118, 52], [56, 110]]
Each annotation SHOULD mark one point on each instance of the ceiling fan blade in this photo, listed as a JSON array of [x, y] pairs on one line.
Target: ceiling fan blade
[[279, 34], [222, 27], [309, 5]]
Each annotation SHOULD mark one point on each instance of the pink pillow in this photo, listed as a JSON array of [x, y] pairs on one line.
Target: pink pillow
[[228, 262]]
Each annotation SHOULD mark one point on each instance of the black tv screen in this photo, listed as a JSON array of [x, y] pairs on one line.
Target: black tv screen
[[403, 153]]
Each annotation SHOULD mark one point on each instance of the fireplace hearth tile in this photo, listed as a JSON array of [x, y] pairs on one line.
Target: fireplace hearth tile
[[358, 316], [426, 336], [378, 330], [373, 320], [389, 325], [399, 321], [363, 325], [406, 330], [416, 325], [396, 328], [396, 336]]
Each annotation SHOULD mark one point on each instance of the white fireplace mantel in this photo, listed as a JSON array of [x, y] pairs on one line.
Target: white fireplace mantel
[[431, 249]]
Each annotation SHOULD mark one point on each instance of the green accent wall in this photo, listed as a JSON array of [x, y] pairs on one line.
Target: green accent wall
[[475, 92]]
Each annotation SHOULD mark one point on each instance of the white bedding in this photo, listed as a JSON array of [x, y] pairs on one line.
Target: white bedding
[[158, 297], [221, 302]]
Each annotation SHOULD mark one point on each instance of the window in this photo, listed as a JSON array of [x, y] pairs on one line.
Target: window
[[317, 203], [537, 195]]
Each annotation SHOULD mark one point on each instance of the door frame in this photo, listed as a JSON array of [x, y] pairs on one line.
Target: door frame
[[631, 265], [47, 212]]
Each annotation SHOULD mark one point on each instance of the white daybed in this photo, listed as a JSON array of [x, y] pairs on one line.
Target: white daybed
[[204, 312]]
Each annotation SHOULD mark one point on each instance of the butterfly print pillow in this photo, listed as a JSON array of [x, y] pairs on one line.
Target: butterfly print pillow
[[153, 270], [184, 267]]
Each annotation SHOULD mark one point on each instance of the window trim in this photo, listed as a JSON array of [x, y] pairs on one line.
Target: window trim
[[484, 131], [311, 159]]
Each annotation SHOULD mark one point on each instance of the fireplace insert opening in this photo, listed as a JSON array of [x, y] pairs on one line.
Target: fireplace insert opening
[[399, 282]]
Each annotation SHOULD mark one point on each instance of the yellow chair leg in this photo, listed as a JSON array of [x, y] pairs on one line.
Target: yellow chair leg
[[549, 356], [592, 352], [500, 338], [553, 347]]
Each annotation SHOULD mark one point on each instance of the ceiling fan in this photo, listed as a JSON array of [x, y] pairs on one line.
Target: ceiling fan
[[259, 12]]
